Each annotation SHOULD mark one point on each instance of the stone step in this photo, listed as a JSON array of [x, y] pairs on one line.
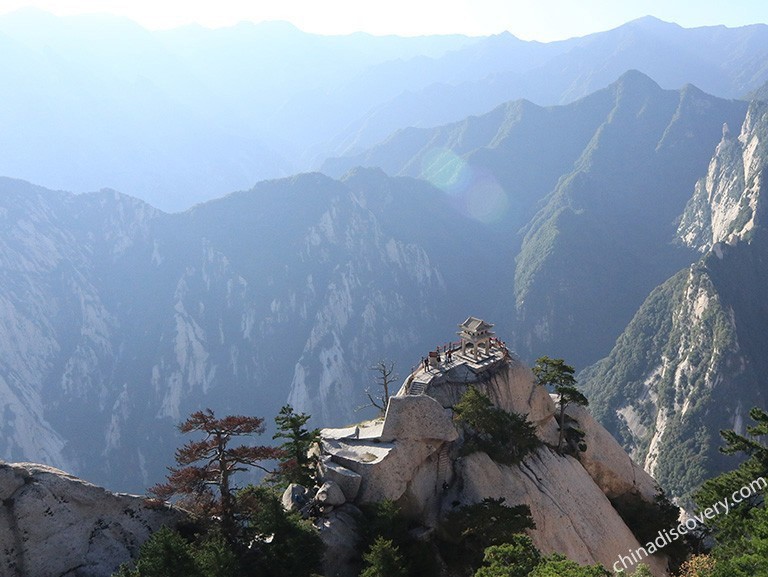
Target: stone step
[[417, 388]]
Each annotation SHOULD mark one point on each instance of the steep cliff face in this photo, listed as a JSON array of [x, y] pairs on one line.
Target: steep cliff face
[[58, 333], [413, 456], [604, 238], [118, 320], [724, 205], [691, 361], [53, 524]]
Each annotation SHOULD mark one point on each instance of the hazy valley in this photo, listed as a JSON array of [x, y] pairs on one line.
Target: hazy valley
[[252, 216]]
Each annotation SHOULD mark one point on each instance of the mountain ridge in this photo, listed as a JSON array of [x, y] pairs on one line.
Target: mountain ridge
[[690, 362], [177, 117], [121, 319], [568, 177]]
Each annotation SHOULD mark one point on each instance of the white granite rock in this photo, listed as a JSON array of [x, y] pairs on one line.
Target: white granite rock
[[510, 385], [294, 497], [346, 479], [610, 467], [331, 494], [411, 463], [386, 468], [340, 534], [572, 515], [53, 524], [417, 417]]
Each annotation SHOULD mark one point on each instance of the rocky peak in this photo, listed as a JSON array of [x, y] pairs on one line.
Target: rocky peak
[[726, 202], [412, 456]]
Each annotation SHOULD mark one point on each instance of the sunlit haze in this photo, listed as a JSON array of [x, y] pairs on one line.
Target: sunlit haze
[[543, 20]]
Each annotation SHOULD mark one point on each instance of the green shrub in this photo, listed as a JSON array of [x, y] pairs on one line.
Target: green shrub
[[514, 559], [471, 529], [164, 554], [506, 437], [383, 559], [280, 544], [646, 520], [559, 566], [384, 520]]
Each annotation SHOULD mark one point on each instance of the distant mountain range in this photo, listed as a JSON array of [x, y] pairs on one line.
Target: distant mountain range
[[555, 223], [586, 196], [118, 320], [617, 223], [187, 115]]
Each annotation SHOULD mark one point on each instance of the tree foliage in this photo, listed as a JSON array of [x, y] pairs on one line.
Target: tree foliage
[[298, 463], [751, 444], [506, 437], [470, 529], [559, 566], [698, 566], [647, 519], [725, 484], [517, 558], [556, 374], [167, 554], [206, 466], [384, 520], [280, 543], [741, 537], [383, 559]]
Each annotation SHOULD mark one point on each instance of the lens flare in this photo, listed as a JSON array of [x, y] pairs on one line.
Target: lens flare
[[446, 170], [475, 193], [486, 201]]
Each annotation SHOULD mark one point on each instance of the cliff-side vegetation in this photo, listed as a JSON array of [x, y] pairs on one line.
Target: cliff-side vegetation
[[506, 437]]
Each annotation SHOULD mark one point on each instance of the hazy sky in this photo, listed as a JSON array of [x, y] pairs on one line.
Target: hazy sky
[[528, 19]]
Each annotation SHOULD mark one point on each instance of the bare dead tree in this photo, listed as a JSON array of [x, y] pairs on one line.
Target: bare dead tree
[[385, 376]]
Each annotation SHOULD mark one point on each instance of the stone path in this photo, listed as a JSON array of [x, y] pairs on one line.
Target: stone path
[[421, 378]]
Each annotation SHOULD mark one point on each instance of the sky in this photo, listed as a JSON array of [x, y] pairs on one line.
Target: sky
[[543, 20]]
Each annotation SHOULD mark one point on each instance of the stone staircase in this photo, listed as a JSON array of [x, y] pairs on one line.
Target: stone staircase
[[417, 388], [444, 466]]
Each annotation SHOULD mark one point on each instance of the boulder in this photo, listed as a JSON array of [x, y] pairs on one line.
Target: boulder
[[330, 494], [347, 480], [417, 417], [294, 497], [386, 468], [340, 534], [53, 524]]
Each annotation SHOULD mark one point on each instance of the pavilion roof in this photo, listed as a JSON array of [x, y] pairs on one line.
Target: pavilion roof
[[474, 324]]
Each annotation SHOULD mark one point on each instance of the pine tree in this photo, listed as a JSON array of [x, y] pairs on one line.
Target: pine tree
[[383, 560], [298, 464], [207, 466], [556, 374], [514, 559]]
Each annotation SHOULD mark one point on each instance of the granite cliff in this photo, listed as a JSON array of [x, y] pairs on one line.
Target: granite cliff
[[53, 524], [413, 456]]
